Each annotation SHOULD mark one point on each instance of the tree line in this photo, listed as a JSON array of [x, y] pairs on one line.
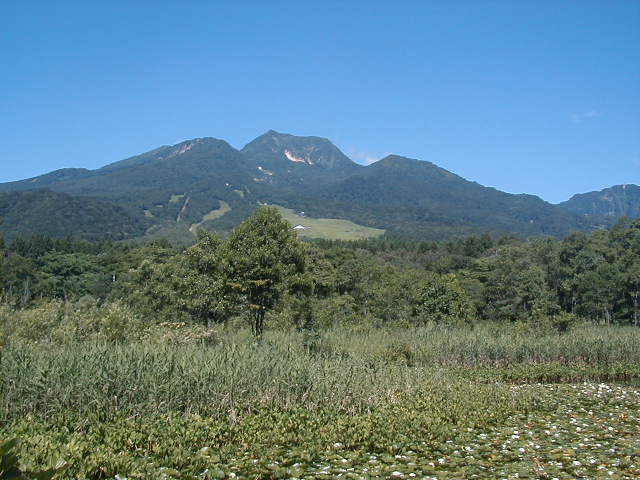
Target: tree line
[[263, 273]]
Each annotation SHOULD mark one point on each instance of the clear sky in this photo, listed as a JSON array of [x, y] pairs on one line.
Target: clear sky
[[533, 96]]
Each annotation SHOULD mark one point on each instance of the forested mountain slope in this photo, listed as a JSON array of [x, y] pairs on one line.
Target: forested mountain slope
[[181, 187], [410, 195], [60, 215], [612, 203]]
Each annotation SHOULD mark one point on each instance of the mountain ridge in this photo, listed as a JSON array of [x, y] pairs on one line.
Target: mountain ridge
[[179, 184], [612, 202]]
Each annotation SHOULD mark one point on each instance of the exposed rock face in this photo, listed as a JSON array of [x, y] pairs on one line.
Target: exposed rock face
[[281, 149]]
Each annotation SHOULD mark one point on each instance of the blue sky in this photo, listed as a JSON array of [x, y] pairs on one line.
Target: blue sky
[[528, 96]]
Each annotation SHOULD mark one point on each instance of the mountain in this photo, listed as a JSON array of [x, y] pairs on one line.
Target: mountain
[[60, 215], [288, 160], [207, 183], [419, 199], [610, 203], [174, 168], [180, 181], [46, 180]]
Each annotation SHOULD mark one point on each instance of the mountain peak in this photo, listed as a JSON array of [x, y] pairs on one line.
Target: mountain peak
[[201, 146], [187, 145], [393, 160], [275, 150]]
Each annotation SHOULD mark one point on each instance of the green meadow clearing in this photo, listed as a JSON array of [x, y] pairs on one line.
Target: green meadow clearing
[[329, 228]]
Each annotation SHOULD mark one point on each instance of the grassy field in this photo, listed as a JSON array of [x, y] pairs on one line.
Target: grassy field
[[423, 403], [212, 215], [329, 228]]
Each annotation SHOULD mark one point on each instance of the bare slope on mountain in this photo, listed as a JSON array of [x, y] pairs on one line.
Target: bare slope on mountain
[[327, 228]]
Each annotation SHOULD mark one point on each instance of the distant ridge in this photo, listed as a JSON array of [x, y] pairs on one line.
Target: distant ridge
[[613, 202]]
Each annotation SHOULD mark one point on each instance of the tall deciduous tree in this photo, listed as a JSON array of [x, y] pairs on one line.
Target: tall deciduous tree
[[263, 260]]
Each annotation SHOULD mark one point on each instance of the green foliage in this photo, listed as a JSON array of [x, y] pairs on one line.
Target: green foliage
[[541, 284], [10, 465], [443, 300], [145, 409], [60, 215], [61, 322], [382, 356], [516, 287], [263, 260], [189, 285]]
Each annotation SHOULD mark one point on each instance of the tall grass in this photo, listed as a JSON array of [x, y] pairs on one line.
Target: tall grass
[[343, 369], [489, 345]]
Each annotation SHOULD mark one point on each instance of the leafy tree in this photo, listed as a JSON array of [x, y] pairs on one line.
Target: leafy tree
[[205, 295], [190, 284], [516, 287], [592, 280], [631, 280], [394, 295], [17, 276], [444, 300], [65, 275], [625, 237], [263, 260]]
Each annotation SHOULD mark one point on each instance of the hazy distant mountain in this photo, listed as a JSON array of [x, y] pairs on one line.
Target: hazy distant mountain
[[613, 203], [206, 183]]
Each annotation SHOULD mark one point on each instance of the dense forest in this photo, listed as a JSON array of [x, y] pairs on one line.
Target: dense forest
[[262, 270]]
